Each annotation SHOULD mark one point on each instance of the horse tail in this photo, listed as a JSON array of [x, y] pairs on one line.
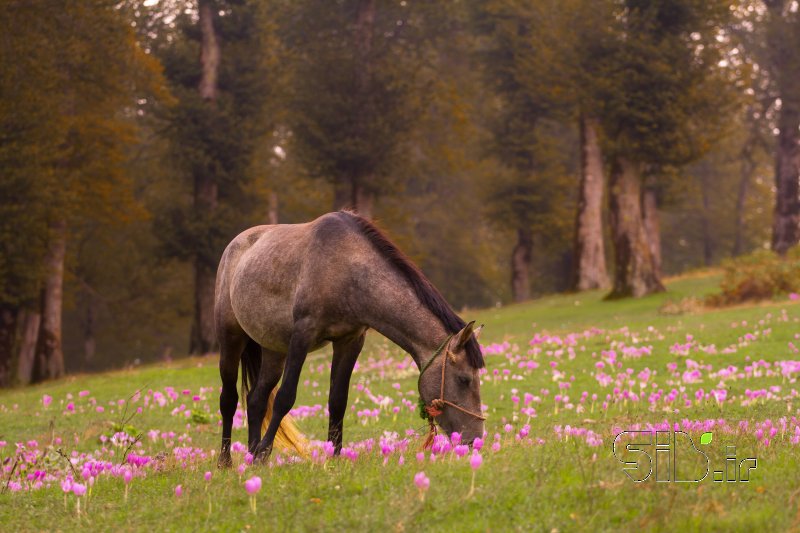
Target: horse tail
[[289, 436]]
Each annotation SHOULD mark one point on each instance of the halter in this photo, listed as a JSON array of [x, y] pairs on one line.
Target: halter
[[430, 411]]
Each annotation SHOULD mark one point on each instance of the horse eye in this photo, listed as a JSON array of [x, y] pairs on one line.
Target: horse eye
[[465, 380]]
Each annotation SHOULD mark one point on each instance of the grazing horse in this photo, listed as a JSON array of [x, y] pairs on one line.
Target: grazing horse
[[285, 290]]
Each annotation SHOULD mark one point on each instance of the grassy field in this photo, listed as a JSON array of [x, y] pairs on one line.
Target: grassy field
[[564, 376]]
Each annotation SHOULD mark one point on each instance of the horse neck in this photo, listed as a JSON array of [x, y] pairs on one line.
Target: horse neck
[[399, 316]]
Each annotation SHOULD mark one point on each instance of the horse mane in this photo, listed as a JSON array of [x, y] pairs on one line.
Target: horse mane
[[429, 295]]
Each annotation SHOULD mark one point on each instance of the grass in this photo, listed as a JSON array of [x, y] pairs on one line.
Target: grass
[[545, 481]]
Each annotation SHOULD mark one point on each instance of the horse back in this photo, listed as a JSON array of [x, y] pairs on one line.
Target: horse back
[[272, 276]]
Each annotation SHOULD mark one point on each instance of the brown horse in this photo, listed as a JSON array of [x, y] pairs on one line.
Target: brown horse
[[285, 290]]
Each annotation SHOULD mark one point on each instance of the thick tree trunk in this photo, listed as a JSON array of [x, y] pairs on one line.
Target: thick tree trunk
[[203, 337], [8, 334], [589, 270], [652, 226], [747, 168], [786, 225], [783, 26], [29, 321], [49, 359], [520, 266], [634, 271], [272, 215]]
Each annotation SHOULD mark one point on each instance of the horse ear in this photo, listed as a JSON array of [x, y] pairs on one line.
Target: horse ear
[[477, 331], [463, 336]]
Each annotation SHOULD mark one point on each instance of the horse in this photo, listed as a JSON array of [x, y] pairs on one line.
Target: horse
[[285, 290]]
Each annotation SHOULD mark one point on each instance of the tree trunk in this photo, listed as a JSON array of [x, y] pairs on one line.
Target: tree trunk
[[590, 271], [49, 359], [205, 192], [634, 272], [708, 242], [747, 168], [8, 333], [783, 27], [29, 321], [272, 215], [363, 201], [520, 266], [89, 328], [652, 226], [209, 51], [362, 197], [342, 196], [786, 225]]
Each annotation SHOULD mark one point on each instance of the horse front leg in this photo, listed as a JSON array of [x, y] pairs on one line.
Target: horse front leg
[[287, 393], [345, 354]]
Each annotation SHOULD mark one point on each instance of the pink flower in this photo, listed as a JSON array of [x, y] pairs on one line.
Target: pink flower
[[477, 444], [207, 476], [46, 400], [178, 491], [83, 393], [70, 406], [78, 489], [253, 485], [127, 476], [794, 296], [421, 481], [420, 457], [475, 461], [66, 486], [461, 450]]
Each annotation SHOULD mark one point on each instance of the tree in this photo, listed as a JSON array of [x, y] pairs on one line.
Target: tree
[[530, 195], [91, 69], [782, 22], [663, 109], [354, 94], [221, 117]]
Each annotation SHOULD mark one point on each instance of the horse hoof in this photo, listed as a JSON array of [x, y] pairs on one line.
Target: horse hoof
[[224, 461], [262, 454]]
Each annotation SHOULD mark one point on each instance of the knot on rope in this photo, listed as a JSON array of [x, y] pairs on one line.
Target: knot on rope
[[435, 408]]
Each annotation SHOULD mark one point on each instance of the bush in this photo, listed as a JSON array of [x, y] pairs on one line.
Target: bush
[[761, 275]]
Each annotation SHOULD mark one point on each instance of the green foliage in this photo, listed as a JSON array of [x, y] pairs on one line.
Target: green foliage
[[217, 141], [667, 102], [352, 103], [759, 276]]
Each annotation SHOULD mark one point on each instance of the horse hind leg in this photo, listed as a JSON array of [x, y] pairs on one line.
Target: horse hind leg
[[231, 345], [287, 392]]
